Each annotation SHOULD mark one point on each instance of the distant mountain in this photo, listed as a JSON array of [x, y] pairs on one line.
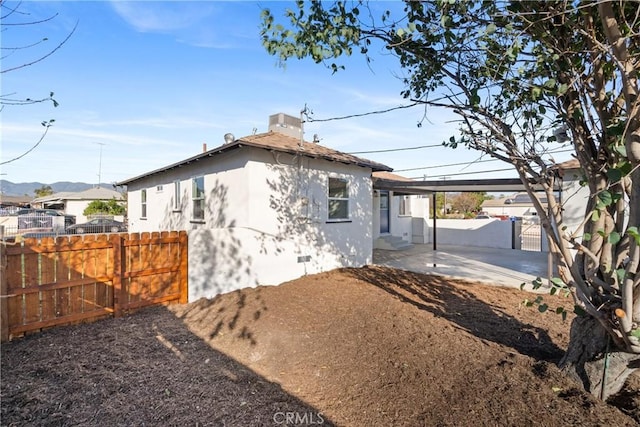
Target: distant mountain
[[9, 188]]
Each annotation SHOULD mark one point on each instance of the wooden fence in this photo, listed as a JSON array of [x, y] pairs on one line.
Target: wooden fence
[[70, 279]]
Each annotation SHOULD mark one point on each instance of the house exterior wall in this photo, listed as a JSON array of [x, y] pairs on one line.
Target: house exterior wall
[[266, 218], [76, 207], [420, 219], [165, 211], [400, 224]]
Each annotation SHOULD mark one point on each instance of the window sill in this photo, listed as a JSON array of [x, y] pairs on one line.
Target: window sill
[[404, 216], [338, 221], [143, 218], [197, 221], [177, 211]]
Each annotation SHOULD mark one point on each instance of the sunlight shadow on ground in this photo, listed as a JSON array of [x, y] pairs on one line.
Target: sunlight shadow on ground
[[437, 296], [143, 369]]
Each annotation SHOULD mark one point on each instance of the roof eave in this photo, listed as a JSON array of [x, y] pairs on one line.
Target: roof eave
[[374, 166], [210, 153], [239, 143], [469, 185]]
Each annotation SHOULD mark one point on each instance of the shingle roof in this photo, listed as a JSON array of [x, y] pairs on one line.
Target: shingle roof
[[284, 143], [14, 199], [277, 142], [390, 176], [495, 202]]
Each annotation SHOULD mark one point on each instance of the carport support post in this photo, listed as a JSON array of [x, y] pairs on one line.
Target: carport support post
[[433, 196]]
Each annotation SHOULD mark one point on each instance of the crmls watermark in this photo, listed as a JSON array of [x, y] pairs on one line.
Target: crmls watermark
[[298, 418]]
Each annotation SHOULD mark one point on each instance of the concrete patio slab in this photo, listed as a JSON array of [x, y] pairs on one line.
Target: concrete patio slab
[[500, 267]]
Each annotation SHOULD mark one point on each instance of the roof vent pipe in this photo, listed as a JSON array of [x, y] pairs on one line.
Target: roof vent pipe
[[204, 147]]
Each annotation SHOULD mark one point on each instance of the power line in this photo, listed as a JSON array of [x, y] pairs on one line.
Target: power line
[[470, 173], [430, 146], [397, 149], [401, 107], [467, 163], [444, 166], [310, 119]]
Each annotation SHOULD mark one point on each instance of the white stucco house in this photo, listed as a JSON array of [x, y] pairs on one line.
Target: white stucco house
[[261, 209], [74, 203]]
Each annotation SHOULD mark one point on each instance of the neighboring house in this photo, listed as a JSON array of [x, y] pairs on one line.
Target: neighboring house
[[518, 205], [399, 218], [14, 202], [74, 203], [261, 209], [573, 196]]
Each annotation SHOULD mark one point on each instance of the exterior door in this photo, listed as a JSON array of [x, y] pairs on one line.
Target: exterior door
[[384, 212]]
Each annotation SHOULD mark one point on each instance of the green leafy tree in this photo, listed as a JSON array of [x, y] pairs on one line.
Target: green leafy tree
[[441, 200], [111, 207], [525, 79], [467, 203], [45, 190]]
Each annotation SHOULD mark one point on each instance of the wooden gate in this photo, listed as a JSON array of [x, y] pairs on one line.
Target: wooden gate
[[70, 279]]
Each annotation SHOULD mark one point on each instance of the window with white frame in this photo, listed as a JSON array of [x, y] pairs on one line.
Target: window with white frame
[[143, 204], [405, 206], [177, 197], [338, 200], [197, 198]]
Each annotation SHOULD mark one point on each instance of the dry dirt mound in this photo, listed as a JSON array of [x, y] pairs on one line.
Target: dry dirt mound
[[353, 347]]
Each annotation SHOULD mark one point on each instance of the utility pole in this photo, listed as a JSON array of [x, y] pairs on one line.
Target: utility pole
[[100, 163]]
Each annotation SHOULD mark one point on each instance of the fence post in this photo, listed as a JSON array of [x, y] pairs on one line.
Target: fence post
[[516, 235], [4, 306], [184, 267], [119, 266]]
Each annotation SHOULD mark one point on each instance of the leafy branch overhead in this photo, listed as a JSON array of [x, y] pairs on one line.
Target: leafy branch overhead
[[18, 57]]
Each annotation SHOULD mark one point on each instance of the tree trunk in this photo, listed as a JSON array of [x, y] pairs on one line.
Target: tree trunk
[[590, 361]]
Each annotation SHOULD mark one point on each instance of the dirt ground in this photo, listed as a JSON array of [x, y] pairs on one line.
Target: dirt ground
[[371, 346]]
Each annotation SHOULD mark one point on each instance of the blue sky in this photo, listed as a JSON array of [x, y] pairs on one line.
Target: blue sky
[[144, 84]]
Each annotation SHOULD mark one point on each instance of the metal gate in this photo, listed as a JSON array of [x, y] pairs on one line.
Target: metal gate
[[531, 237]]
